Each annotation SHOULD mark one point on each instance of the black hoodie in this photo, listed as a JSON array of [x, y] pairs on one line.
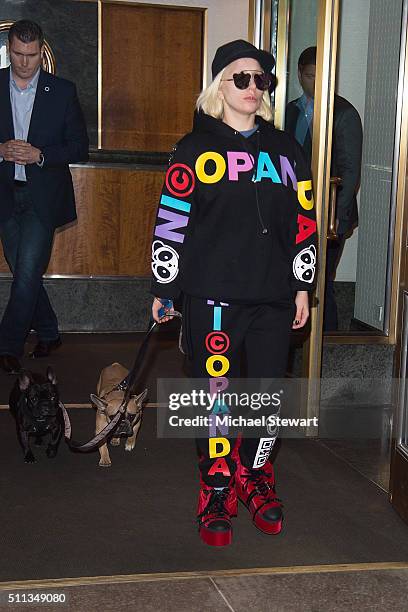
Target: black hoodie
[[236, 220]]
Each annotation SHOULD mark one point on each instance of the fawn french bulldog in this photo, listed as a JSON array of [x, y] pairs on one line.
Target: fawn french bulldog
[[107, 401], [34, 404]]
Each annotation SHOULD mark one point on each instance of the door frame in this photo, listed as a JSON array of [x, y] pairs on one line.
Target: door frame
[[399, 456], [326, 41]]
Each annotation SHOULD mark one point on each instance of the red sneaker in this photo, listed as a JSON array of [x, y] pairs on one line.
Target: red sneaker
[[214, 512], [256, 489]]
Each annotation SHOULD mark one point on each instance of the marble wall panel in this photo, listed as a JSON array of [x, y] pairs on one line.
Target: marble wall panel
[[95, 305]]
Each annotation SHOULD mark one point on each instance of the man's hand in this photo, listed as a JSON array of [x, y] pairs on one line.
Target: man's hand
[[7, 151], [19, 152], [302, 309]]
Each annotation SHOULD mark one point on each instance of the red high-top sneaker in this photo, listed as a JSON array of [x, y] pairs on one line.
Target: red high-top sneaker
[[214, 512], [256, 489]]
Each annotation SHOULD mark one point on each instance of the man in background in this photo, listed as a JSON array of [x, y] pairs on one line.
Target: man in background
[[42, 130], [346, 164]]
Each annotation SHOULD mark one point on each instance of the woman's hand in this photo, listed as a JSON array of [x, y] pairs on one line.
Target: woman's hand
[[155, 311], [302, 309]]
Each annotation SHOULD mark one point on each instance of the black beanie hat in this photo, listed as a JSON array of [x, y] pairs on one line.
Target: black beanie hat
[[238, 49]]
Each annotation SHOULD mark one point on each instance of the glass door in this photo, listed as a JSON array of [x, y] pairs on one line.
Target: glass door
[[362, 262], [293, 30], [373, 77], [399, 455]]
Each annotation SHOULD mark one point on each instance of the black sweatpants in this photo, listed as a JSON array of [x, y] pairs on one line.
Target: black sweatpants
[[215, 336]]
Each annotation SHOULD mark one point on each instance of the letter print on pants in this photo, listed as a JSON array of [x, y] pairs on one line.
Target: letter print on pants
[[217, 365], [218, 334]]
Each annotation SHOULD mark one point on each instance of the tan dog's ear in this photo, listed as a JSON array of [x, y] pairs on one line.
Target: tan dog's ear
[[100, 403], [139, 399]]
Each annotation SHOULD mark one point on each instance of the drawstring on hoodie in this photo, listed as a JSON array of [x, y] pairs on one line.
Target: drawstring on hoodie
[[265, 230]]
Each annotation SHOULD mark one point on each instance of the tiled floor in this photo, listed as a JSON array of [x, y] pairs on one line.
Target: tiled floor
[[285, 590]]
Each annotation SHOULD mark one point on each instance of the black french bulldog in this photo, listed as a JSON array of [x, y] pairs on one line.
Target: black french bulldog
[[34, 403]]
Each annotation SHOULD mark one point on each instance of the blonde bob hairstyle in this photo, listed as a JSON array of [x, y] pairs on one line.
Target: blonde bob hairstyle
[[211, 104]]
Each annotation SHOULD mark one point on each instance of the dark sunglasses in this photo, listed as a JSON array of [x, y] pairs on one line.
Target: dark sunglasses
[[243, 79]]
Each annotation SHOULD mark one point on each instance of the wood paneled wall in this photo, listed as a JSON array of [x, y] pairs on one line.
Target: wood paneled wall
[[152, 59], [116, 213]]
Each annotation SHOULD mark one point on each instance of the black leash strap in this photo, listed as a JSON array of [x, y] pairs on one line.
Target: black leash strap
[[127, 384]]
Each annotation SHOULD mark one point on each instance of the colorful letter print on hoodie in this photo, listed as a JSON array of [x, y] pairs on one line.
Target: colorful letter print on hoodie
[[236, 219]]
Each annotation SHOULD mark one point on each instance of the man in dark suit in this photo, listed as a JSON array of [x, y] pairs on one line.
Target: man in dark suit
[[346, 164], [42, 130]]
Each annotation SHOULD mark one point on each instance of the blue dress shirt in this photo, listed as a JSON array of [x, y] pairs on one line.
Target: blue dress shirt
[[22, 102]]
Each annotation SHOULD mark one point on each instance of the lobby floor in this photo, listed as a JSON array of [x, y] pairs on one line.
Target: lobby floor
[[124, 538], [369, 588]]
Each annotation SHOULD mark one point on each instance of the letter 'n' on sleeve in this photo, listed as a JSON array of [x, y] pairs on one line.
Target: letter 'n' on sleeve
[[172, 219]]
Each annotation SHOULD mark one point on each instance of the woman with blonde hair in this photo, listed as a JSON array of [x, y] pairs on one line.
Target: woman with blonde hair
[[235, 236]]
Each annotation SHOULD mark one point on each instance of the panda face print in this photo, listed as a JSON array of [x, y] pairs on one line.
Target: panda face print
[[165, 262], [304, 264]]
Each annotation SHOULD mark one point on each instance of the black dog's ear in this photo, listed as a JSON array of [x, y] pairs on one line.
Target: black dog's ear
[[24, 380], [51, 376]]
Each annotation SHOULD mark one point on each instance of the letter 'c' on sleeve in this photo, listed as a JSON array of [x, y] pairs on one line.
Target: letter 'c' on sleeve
[[220, 167], [304, 201]]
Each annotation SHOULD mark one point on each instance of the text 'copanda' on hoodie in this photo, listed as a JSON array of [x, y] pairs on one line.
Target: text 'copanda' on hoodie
[[236, 219]]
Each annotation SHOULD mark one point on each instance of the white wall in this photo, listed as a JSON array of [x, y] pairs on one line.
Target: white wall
[[226, 20], [351, 84]]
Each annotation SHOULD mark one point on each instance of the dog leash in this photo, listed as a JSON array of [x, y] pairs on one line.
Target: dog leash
[[127, 385]]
